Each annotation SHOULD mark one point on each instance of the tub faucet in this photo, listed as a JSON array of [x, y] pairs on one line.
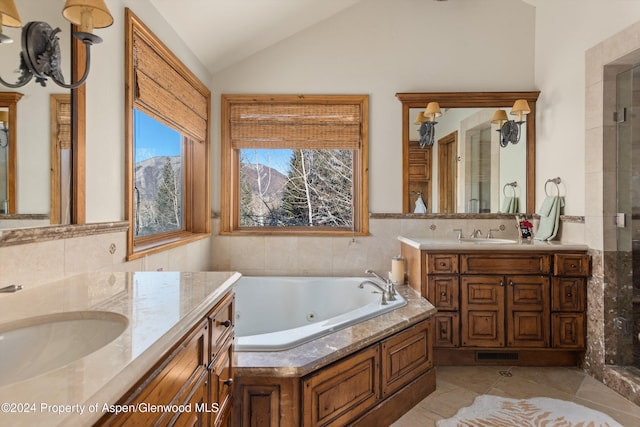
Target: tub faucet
[[390, 288], [377, 286]]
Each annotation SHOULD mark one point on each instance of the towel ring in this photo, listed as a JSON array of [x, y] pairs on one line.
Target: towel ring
[[555, 181], [513, 186]]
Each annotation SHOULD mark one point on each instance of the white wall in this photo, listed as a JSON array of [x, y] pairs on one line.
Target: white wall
[[381, 47], [564, 31]]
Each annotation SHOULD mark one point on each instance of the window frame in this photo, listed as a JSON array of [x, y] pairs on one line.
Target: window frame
[[196, 167], [230, 168]]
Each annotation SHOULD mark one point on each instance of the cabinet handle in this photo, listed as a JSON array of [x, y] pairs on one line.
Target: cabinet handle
[[569, 295], [443, 294], [502, 283], [443, 264], [511, 283], [574, 266], [226, 323], [228, 381], [443, 332]]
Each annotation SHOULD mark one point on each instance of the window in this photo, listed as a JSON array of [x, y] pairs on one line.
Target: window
[[294, 164], [167, 147]]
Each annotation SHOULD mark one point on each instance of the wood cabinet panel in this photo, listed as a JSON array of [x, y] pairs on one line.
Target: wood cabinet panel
[[446, 327], [405, 357], [442, 292], [571, 265], [568, 294], [527, 311], [482, 311], [221, 382], [197, 401], [505, 263], [343, 391], [568, 330], [442, 264], [222, 321]]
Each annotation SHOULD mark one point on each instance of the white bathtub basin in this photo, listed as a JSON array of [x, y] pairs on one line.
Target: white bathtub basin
[[36, 345]]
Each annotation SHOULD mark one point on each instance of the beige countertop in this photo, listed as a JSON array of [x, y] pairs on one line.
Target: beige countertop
[[320, 352], [481, 244], [160, 307]]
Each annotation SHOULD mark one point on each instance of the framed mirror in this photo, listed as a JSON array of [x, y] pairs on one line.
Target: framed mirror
[[34, 197], [467, 169]]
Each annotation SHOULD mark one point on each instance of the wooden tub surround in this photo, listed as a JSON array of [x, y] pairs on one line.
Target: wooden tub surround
[[521, 304], [367, 374]]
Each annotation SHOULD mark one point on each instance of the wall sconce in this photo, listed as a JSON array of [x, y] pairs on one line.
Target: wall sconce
[[427, 121], [4, 129], [40, 56], [511, 129]]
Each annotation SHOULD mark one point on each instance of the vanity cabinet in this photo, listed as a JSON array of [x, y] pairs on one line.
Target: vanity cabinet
[[197, 374], [525, 307]]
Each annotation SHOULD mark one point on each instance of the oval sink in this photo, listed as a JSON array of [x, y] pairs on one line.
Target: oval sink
[[492, 241], [36, 345]]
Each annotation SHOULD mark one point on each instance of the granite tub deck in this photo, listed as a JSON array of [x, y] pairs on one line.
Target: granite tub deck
[[160, 307], [311, 356]]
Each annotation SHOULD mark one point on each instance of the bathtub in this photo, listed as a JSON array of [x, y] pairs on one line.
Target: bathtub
[[279, 313]]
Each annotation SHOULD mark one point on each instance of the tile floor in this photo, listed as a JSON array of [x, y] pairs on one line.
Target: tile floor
[[457, 387]]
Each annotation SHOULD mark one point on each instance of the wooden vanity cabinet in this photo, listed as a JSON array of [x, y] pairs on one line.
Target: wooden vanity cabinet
[[196, 373], [524, 307]]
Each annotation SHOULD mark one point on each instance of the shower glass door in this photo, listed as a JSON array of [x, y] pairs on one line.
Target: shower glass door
[[627, 322]]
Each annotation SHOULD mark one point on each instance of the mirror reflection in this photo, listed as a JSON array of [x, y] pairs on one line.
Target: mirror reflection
[[461, 156], [33, 129]]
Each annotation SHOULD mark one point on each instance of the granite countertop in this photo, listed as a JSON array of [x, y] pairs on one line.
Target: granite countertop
[[160, 307], [481, 244], [320, 352]]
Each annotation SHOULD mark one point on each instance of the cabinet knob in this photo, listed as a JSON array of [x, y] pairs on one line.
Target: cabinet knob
[[574, 265], [226, 323], [228, 381], [444, 294], [443, 264], [511, 283], [502, 283], [569, 295]]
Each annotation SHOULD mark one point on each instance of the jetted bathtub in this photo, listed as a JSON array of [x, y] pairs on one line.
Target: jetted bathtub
[[279, 313]]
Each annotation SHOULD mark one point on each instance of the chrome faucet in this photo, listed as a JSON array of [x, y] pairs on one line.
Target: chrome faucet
[[383, 291], [388, 284], [490, 233], [476, 233], [459, 230], [11, 289]]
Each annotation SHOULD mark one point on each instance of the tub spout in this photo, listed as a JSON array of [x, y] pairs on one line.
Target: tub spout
[[383, 291], [391, 290]]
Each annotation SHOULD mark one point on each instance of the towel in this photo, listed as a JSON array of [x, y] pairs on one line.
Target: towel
[[510, 205], [549, 218], [420, 206]]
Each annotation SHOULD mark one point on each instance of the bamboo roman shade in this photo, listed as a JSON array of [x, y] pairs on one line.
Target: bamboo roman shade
[[295, 125], [164, 91], [63, 122]]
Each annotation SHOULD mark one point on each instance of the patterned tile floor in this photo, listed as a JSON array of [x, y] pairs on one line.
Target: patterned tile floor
[[457, 387]]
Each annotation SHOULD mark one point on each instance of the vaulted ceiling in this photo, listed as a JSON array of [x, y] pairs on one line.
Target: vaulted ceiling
[[222, 32]]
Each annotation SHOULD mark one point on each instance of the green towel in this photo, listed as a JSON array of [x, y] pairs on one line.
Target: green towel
[[549, 218], [510, 205]]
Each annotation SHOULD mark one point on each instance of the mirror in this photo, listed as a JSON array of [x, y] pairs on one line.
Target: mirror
[[466, 170], [34, 132]]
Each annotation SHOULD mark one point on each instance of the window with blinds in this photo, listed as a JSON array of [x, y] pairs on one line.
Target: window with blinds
[[167, 146], [295, 164]]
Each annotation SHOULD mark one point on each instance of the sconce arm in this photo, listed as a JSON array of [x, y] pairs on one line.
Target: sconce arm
[[87, 44], [25, 77]]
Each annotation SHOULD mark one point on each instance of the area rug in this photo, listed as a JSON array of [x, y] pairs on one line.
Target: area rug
[[495, 411]]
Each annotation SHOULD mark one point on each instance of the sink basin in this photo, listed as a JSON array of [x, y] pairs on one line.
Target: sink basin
[[36, 345], [492, 241]]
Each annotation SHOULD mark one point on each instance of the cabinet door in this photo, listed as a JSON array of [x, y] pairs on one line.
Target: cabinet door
[[571, 265], [568, 330], [567, 294], [198, 415], [442, 263], [442, 292], [527, 311], [221, 383], [405, 357], [482, 311], [339, 393], [222, 320], [446, 326]]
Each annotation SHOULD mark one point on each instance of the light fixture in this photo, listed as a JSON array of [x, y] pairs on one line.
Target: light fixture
[[40, 56], [510, 131], [427, 121]]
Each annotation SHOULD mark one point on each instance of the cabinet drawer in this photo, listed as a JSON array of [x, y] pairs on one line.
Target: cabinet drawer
[[442, 263], [222, 321], [505, 263], [405, 357], [446, 327], [340, 393], [442, 292], [567, 294], [571, 265]]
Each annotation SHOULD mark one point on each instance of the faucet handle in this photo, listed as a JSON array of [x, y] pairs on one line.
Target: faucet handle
[[490, 233], [459, 230]]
